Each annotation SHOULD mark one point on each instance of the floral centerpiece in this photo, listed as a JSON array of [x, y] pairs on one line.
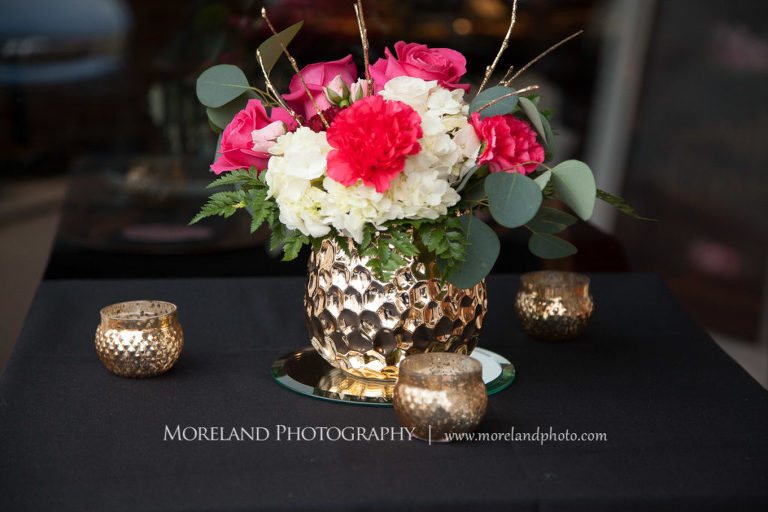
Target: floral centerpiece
[[383, 170]]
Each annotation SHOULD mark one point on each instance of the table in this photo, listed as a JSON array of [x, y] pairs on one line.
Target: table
[[686, 426]]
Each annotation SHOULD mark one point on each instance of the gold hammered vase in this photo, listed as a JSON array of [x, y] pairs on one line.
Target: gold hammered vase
[[366, 327]]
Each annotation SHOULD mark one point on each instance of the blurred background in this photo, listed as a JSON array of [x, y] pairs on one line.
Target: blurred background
[[104, 149]]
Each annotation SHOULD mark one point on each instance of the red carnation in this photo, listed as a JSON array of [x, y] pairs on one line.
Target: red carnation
[[316, 124], [510, 144], [371, 140]]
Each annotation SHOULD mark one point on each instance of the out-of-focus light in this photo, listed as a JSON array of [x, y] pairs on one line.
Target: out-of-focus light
[[462, 26], [489, 8]]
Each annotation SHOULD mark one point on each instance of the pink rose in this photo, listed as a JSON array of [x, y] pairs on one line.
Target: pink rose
[[417, 60], [249, 135], [318, 76], [509, 144]]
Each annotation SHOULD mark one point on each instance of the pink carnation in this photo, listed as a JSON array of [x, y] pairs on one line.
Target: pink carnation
[[249, 135], [318, 76], [510, 144], [371, 140], [419, 61]]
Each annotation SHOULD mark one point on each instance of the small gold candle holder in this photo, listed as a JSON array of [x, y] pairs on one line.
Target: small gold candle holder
[[139, 338], [438, 393], [554, 305]]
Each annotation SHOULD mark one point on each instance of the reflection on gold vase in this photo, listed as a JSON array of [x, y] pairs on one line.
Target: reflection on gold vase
[[366, 327], [343, 386]]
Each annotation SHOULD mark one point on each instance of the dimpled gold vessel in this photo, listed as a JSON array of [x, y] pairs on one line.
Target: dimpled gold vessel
[[439, 394], [554, 305], [139, 338], [366, 327]]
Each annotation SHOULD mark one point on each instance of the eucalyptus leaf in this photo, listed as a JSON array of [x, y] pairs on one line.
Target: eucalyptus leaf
[[471, 196], [542, 179], [574, 182], [549, 220], [218, 147], [214, 127], [499, 108], [533, 115], [550, 137], [482, 251], [271, 50], [513, 198], [466, 178], [223, 115], [547, 246], [220, 84]]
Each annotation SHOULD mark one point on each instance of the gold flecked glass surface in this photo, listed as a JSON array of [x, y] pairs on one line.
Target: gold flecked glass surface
[[554, 305], [440, 393], [140, 338], [366, 327]]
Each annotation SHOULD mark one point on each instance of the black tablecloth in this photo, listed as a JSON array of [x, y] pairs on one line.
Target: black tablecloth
[[686, 426]]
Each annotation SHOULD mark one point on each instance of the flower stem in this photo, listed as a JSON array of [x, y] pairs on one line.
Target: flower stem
[[504, 45], [294, 65]]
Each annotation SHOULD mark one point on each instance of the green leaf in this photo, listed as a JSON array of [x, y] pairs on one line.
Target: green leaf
[[542, 179], [547, 246], [481, 253], [218, 131], [574, 183], [620, 205], [233, 177], [271, 50], [220, 84], [277, 238], [218, 145], [293, 244], [402, 242], [499, 108], [549, 220], [473, 195], [532, 113], [549, 147], [222, 116], [513, 198], [223, 204], [467, 177]]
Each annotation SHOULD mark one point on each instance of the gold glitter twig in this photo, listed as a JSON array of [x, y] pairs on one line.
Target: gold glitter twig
[[540, 56], [504, 45], [364, 39], [294, 65], [519, 91], [274, 92], [509, 72]]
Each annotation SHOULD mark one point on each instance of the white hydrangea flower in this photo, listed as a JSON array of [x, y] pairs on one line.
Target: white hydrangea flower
[[414, 92], [297, 159], [349, 209], [422, 194]]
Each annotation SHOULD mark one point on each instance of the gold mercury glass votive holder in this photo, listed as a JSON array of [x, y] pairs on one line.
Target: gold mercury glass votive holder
[[141, 338], [554, 305], [438, 393]]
